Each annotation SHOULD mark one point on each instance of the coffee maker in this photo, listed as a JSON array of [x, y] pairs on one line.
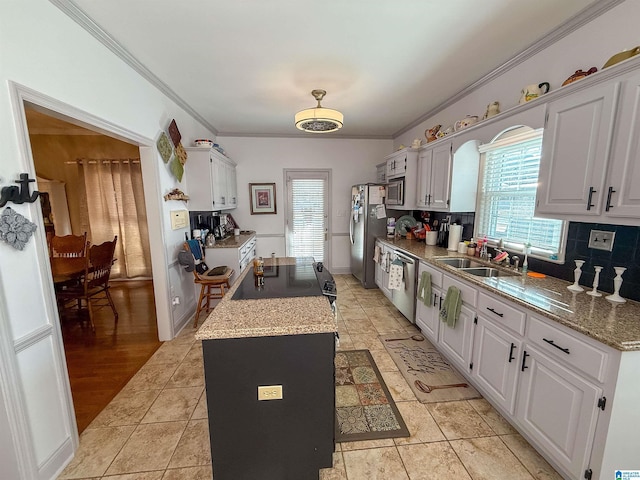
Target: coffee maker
[[218, 222]]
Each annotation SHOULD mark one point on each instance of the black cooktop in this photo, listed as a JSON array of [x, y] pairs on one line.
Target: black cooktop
[[281, 281]]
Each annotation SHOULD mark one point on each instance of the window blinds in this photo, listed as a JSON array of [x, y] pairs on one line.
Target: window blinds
[[308, 227], [508, 196]]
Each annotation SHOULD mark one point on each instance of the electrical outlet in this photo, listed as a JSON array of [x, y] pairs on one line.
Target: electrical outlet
[[601, 240], [270, 392]]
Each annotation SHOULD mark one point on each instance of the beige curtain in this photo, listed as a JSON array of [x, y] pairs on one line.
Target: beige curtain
[[115, 206]]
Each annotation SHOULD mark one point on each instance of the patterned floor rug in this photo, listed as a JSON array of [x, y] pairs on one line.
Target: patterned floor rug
[[364, 407], [429, 375]]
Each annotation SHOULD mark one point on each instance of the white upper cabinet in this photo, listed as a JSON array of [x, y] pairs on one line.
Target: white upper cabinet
[[622, 197], [575, 148], [590, 165], [211, 180], [448, 182], [397, 165]]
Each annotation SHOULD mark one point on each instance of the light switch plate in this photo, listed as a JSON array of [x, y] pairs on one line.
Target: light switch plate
[[601, 240], [270, 392]]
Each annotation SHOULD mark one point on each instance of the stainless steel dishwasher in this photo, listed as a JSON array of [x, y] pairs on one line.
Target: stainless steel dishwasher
[[404, 298]]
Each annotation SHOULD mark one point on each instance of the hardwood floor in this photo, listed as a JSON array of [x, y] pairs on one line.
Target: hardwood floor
[[101, 363]]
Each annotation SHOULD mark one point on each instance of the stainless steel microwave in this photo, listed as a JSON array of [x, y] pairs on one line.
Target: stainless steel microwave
[[395, 192]]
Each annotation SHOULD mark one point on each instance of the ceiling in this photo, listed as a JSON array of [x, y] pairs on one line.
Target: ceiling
[[247, 66]]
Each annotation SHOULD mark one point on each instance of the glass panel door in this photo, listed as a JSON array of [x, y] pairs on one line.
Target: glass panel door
[[307, 227]]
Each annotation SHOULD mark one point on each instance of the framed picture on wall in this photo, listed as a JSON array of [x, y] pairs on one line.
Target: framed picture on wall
[[263, 198]]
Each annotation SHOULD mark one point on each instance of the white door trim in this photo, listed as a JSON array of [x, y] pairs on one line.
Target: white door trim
[[10, 376]]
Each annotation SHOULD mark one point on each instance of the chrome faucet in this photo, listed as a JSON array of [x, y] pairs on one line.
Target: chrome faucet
[[516, 262]]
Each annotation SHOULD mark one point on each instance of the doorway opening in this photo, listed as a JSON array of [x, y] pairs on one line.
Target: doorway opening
[[92, 184], [307, 208]]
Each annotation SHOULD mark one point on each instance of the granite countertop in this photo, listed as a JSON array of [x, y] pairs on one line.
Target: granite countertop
[[616, 325], [233, 241], [267, 317]]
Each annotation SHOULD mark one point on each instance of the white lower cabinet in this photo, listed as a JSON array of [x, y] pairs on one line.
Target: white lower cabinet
[[456, 342], [548, 380], [558, 410], [495, 362], [236, 257], [427, 313], [382, 271]]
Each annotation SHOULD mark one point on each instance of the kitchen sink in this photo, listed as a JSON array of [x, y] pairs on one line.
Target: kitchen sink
[[487, 272], [459, 262]]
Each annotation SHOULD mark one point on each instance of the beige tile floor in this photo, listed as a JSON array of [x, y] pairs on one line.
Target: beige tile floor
[[156, 427]]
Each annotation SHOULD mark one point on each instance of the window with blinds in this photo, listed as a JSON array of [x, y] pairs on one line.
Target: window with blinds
[[507, 198], [307, 223]]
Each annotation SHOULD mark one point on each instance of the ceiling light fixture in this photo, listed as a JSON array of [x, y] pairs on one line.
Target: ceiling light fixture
[[319, 119]]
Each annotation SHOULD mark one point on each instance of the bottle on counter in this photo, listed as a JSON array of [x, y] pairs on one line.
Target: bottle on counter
[[258, 267]]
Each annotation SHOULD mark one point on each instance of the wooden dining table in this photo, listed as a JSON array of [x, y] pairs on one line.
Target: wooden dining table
[[65, 269]]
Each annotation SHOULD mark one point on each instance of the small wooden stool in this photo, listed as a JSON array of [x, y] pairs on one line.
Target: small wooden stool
[[212, 287]]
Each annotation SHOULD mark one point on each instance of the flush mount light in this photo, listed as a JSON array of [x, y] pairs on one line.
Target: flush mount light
[[319, 119]]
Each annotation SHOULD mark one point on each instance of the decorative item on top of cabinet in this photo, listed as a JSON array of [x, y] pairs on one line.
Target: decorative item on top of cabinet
[[431, 133], [579, 75], [623, 55], [493, 109], [532, 91], [465, 122]]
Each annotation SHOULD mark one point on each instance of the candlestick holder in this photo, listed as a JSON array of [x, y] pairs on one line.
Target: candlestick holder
[[617, 283], [576, 275], [596, 279]]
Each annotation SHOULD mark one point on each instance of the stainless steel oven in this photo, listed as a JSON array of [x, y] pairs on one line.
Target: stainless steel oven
[[395, 192]]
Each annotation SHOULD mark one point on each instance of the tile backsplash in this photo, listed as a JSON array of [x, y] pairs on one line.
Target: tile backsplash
[[625, 253]]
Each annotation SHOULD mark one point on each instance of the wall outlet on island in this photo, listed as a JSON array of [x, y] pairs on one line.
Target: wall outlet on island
[[601, 240]]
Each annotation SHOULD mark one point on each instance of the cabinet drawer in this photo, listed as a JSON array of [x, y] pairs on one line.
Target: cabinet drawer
[[436, 275], [469, 294], [568, 348], [499, 312]]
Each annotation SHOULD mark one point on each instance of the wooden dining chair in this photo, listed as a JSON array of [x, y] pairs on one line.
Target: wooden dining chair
[[94, 288], [68, 246], [211, 286]]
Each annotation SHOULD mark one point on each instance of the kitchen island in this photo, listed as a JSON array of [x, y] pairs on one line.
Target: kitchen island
[[269, 378]]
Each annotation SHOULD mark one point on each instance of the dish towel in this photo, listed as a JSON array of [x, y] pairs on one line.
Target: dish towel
[[424, 288], [450, 310], [395, 275], [376, 254]]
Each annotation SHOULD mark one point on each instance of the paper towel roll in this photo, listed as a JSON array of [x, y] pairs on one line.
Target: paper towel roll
[[455, 234]]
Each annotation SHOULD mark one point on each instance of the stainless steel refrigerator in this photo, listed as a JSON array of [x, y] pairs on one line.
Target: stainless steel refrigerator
[[367, 221]]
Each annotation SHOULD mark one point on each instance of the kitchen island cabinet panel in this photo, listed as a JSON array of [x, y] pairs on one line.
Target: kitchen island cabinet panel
[[281, 439]]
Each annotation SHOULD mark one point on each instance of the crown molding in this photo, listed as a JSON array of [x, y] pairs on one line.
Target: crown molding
[[69, 8], [582, 18]]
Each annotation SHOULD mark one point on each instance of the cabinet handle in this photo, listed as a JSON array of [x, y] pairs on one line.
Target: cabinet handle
[[429, 199], [434, 299], [591, 192], [609, 206], [493, 311], [511, 357], [524, 361], [440, 307], [550, 342]]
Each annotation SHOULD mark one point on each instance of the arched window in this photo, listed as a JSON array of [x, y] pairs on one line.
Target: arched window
[[507, 196]]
